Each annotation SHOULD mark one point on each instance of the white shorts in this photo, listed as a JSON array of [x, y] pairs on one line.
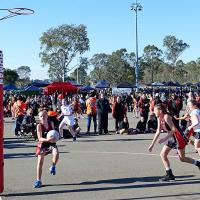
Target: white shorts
[[68, 120]]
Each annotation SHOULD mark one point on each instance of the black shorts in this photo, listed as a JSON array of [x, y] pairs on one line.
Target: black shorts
[[172, 143], [48, 149], [197, 135]]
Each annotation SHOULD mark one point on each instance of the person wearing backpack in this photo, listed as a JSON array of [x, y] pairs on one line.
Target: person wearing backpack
[[91, 111], [19, 109]]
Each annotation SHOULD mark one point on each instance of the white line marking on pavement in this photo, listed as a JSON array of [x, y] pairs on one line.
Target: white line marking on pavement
[[128, 153]]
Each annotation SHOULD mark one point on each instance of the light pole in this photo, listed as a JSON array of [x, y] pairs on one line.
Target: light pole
[[77, 74], [136, 7]]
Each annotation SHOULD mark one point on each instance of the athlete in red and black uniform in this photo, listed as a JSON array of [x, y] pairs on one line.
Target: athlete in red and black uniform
[[45, 146], [174, 139]]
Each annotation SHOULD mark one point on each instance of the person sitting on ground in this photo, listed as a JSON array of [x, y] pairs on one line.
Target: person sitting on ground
[[141, 126], [76, 126], [124, 126], [152, 124], [29, 123]]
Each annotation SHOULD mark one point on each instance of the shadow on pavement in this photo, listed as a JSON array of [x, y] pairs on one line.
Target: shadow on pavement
[[115, 140], [18, 155], [177, 196], [13, 144], [38, 192]]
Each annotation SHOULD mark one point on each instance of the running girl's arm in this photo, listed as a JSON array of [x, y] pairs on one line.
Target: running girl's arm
[[157, 134], [52, 125], [60, 116], [181, 118], [195, 121]]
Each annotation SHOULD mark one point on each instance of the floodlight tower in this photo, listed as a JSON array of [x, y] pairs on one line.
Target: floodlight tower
[[136, 7]]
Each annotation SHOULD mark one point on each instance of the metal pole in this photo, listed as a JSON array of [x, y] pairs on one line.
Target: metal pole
[[136, 37], [136, 7], [64, 74]]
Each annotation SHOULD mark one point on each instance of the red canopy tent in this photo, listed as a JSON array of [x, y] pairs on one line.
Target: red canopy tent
[[63, 87]]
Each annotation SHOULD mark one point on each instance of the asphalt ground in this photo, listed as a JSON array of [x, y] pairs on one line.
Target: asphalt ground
[[106, 167]]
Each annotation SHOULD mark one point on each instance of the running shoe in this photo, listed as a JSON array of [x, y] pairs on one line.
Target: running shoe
[[52, 170], [74, 139], [198, 164], [37, 184], [167, 178]]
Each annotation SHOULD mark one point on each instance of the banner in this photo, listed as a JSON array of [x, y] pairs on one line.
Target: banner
[[1, 125]]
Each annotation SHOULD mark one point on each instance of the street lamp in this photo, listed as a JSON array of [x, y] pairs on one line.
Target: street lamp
[[136, 7]]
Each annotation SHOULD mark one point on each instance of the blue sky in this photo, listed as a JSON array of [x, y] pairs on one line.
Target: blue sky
[[110, 25]]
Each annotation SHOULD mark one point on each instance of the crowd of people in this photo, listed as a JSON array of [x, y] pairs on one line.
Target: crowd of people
[[157, 113]]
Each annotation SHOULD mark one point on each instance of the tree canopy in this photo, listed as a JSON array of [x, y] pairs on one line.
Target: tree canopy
[[59, 46]]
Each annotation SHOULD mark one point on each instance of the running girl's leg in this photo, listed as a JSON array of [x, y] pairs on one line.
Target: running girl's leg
[[73, 133], [40, 161], [55, 154], [197, 145], [55, 157], [169, 175], [181, 154], [61, 126], [163, 154], [39, 166]]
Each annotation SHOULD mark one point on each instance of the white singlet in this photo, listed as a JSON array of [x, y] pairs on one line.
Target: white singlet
[[67, 110], [197, 113]]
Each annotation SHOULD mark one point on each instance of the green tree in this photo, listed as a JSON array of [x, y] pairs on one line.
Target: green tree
[[193, 72], [98, 61], [10, 76], [120, 67], [152, 60], [114, 68], [59, 46], [80, 72], [174, 48], [24, 75]]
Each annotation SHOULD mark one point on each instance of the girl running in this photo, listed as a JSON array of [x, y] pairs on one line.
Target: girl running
[[195, 122], [173, 140], [68, 119], [45, 146]]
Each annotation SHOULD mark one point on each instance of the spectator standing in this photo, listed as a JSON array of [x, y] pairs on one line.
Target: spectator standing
[[19, 109], [144, 107], [175, 104], [91, 111], [103, 108], [118, 112]]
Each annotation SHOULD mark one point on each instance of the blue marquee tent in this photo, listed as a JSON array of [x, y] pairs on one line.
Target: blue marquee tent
[[10, 86], [102, 84], [39, 83], [87, 88], [32, 88], [125, 85]]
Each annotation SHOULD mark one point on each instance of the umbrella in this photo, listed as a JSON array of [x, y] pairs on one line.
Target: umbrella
[[63, 87]]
